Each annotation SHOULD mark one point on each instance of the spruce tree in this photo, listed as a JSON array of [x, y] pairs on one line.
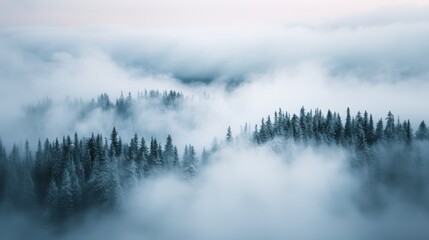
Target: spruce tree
[[348, 128], [422, 132], [229, 135], [389, 131], [379, 132], [168, 154]]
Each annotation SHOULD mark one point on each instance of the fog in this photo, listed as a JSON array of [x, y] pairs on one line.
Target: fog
[[251, 193], [230, 76], [247, 72]]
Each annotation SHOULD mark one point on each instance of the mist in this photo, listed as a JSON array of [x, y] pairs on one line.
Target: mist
[[252, 192], [283, 67], [293, 184]]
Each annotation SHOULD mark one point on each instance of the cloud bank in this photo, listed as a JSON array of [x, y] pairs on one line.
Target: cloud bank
[[253, 193], [378, 65]]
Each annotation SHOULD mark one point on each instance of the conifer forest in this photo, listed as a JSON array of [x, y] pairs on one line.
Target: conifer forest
[[210, 120]]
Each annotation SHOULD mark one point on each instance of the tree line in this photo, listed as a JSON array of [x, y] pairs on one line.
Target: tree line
[[123, 107], [389, 151], [67, 177]]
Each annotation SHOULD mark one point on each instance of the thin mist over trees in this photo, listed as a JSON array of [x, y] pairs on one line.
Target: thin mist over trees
[[123, 107], [69, 176], [66, 177]]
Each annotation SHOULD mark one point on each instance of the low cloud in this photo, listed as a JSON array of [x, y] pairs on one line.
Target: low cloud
[[248, 74], [252, 192]]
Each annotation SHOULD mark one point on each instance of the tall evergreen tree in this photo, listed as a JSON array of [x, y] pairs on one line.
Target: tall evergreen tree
[[422, 132], [370, 130], [389, 131], [348, 128], [229, 135], [168, 154], [3, 172], [176, 158], [379, 131], [338, 131], [115, 147]]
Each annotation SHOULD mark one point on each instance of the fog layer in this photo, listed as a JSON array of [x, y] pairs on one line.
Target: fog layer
[[375, 66], [253, 193]]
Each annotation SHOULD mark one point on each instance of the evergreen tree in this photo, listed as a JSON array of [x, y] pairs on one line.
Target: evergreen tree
[[269, 129], [389, 131], [229, 135], [66, 200], [153, 154], [204, 157], [104, 190], [3, 171], [379, 131], [185, 159], [131, 174], [176, 158], [168, 154], [52, 200], [160, 156], [303, 125], [143, 156], [115, 147], [369, 130], [329, 128], [348, 128], [296, 129], [408, 133], [256, 137], [423, 132], [338, 131]]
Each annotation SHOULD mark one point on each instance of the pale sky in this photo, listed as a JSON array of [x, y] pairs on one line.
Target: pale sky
[[183, 13]]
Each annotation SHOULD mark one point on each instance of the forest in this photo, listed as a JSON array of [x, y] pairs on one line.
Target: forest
[[72, 175]]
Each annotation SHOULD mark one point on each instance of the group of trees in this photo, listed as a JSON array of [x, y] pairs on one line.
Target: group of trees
[[66, 177], [359, 132], [389, 150], [62, 178], [123, 107]]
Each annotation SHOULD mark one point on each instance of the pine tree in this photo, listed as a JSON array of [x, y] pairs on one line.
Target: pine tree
[[296, 129], [329, 128], [115, 147], [176, 158], [27, 185], [160, 156], [348, 129], [3, 171], [369, 130], [379, 132], [131, 174], [143, 156], [423, 132], [52, 200], [185, 159], [229, 135], [408, 133], [256, 137], [338, 131], [360, 144], [204, 157], [389, 131], [269, 129], [263, 132], [168, 154], [104, 190], [66, 196], [153, 154], [303, 125]]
